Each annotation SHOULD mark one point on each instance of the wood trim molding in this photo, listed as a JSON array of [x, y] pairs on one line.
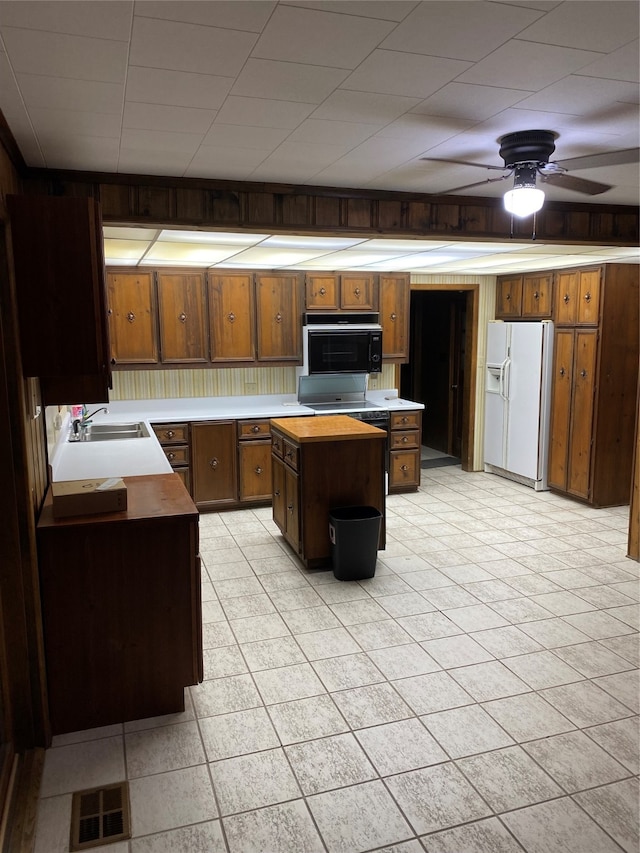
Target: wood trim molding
[[283, 208]]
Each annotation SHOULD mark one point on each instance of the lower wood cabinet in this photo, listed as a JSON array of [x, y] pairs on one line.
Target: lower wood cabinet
[[286, 501], [254, 461], [121, 607], [174, 439], [213, 464], [405, 439]]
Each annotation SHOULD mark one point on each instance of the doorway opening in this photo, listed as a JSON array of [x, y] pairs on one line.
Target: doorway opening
[[439, 373]]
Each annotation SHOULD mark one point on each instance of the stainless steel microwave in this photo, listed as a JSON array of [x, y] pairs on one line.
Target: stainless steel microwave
[[341, 343]]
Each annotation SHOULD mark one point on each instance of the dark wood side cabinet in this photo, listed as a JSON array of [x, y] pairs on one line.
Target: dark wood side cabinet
[[121, 607], [60, 289], [213, 464], [320, 463]]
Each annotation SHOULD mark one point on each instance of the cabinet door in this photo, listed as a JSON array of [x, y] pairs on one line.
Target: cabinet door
[[279, 493], [394, 316], [582, 412], [357, 292], [232, 323], [321, 292], [588, 307], [292, 508], [404, 469], [60, 293], [537, 292], [132, 324], [213, 463], [183, 317], [509, 297], [566, 298], [279, 318], [255, 470], [559, 429]]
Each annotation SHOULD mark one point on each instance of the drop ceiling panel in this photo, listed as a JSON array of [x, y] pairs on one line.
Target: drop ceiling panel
[[384, 10], [160, 140], [237, 163], [177, 88], [620, 65], [527, 65], [250, 15], [60, 93], [583, 93], [290, 81], [319, 38], [104, 20], [263, 112], [460, 30], [369, 107], [85, 123], [601, 27], [238, 136], [58, 55], [163, 117], [343, 133], [83, 152], [137, 161], [408, 74], [469, 101], [188, 47]]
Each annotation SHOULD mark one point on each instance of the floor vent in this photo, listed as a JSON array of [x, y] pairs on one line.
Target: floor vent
[[100, 816]]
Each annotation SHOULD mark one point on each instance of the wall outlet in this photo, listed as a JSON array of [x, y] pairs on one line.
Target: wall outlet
[[250, 387]]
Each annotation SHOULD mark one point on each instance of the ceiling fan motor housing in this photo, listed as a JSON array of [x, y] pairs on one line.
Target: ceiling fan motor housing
[[527, 146]]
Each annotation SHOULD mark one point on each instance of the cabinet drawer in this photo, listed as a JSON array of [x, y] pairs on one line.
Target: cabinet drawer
[[291, 453], [277, 445], [409, 440], [404, 468], [405, 420], [254, 429], [177, 454], [171, 433]]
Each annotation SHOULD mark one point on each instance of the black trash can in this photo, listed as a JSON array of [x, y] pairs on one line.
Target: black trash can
[[354, 532]]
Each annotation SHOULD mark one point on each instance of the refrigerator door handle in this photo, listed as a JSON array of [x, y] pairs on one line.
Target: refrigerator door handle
[[504, 378]]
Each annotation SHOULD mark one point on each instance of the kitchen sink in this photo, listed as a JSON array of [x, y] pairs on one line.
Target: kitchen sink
[[111, 432]]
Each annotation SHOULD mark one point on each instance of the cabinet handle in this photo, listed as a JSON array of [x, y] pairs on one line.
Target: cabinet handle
[[322, 291], [404, 467], [169, 433], [583, 373], [404, 439], [290, 508], [258, 469], [587, 296], [562, 371], [213, 463], [508, 297], [131, 316], [357, 291], [182, 317], [171, 456], [404, 420], [277, 493], [288, 454], [393, 316], [536, 295], [255, 428], [231, 317], [278, 317], [566, 298]]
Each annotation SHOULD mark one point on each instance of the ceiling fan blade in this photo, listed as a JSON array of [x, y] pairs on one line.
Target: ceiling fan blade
[[607, 158], [462, 163], [476, 184], [571, 182]]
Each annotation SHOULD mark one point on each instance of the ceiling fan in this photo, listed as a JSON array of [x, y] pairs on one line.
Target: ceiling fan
[[526, 156]]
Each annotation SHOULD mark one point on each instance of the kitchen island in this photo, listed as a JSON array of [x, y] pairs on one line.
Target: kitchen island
[[319, 464]]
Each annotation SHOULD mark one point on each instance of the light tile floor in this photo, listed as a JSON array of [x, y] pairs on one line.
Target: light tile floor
[[479, 695]]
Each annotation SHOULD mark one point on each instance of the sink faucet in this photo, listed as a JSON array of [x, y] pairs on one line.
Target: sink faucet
[[80, 424]]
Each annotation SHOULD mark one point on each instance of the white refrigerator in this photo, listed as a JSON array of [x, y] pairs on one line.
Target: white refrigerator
[[518, 400]]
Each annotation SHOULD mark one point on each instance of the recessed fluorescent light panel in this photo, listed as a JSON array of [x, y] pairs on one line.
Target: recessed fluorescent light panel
[[224, 238], [190, 253]]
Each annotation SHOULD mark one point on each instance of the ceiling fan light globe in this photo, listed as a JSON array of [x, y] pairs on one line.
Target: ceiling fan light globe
[[523, 201]]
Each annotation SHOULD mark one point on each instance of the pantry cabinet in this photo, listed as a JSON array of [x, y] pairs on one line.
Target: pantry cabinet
[[213, 464], [60, 294], [132, 317], [394, 316], [278, 317], [182, 317], [231, 317], [595, 374]]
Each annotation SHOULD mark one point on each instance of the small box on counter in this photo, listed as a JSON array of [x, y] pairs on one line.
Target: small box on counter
[[87, 497]]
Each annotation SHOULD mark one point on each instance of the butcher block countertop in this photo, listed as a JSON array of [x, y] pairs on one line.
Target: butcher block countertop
[[326, 428], [153, 496]]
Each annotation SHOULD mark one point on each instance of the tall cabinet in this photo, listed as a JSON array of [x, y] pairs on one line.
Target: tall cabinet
[[594, 383]]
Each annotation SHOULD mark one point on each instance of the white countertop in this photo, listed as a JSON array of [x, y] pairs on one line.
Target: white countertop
[[138, 456]]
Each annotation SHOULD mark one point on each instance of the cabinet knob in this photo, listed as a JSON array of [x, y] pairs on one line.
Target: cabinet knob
[[357, 291], [393, 316], [231, 317], [258, 469], [290, 508], [182, 317], [404, 439], [322, 291], [278, 317], [536, 295], [169, 433], [276, 493], [404, 467], [583, 373], [171, 456], [405, 420], [255, 428], [562, 371], [566, 298], [131, 316], [587, 296], [508, 297], [213, 463]]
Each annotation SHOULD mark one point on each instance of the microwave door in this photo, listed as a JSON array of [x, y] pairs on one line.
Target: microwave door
[[339, 352]]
